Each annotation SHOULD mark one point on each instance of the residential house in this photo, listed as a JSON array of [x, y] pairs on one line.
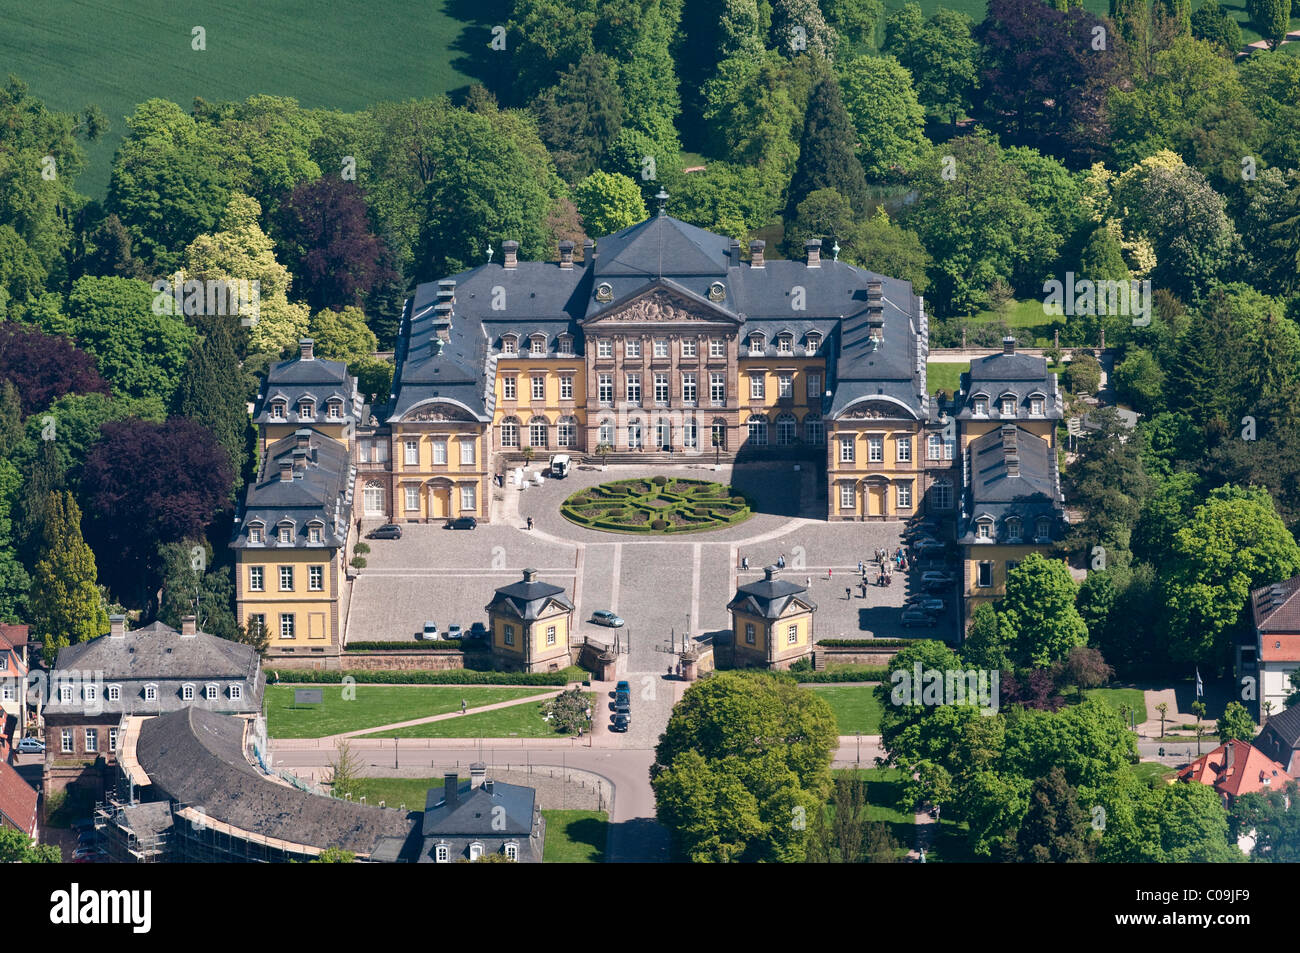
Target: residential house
[[1236, 768], [468, 820], [18, 802], [771, 623], [529, 624], [1275, 654], [1280, 739]]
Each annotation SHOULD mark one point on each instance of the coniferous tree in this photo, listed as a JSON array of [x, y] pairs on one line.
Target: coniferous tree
[[1055, 830], [65, 602], [192, 585], [580, 115], [11, 419], [827, 157], [212, 393], [44, 476]]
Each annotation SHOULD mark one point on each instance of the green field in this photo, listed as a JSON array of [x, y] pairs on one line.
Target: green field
[[1117, 697], [524, 721], [395, 792], [375, 705], [345, 56], [575, 837], [1150, 772], [940, 375], [856, 707]]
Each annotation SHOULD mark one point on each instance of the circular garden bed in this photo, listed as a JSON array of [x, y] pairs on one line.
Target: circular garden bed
[[658, 504]]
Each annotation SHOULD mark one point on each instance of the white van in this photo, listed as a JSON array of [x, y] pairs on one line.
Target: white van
[[560, 465]]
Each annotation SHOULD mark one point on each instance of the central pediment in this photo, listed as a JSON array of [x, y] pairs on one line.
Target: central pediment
[[663, 305]]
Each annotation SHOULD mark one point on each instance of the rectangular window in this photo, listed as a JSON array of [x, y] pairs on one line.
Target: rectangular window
[[1036, 406], [984, 531], [661, 388], [718, 436], [749, 633], [440, 452], [256, 622], [510, 434], [604, 349], [785, 385], [381, 451], [690, 433], [904, 449], [316, 574], [718, 389], [984, 578], [286, 625], [187, 693], [875, 449], [905, 494], [932, 444], [756, 387], [508, 345], [537, 433], [981, 406], [255, 580], [783, 345], [846, 449], [314, 534], [151, 693], [792, 635], [661, 348], [566, 347], [255, 533], [717, 347], [941, 493], [65, 740], [286, 579], [688, 348], [631, 348], [689, 393], [236, 691], [363, 450], [92, 741], [846, 496], [605, 388], [467, 497], [508, 388], [88, 693], [813, 432], [566, 387], [9, 693], [1011, 565], [565, 431], [467, 452], [539, 387], [634, 389], [538, 347], [813, 343], [412, 498], [509, 636], [412, 457], [112, 739], [550, 635]]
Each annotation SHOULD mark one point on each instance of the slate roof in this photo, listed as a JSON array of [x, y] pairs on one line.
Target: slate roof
[[769, 597], [529, 598], [1020, 375], [990, 490], [321, 490], [1276, 607], [1280, 739], [17, 801], [157, 654], [197, 758], [471, 815], [317, 378]]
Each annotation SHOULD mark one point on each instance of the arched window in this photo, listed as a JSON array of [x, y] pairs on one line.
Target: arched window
[[509, 344], [663, 433], [537, 429], [510, 432], [634, 434], [814, 431], [374, 498], [718, 433], [758, 430], [941, 493], [786, 430], [1014, 530], [566, 431], [605, 433], [757, 344]]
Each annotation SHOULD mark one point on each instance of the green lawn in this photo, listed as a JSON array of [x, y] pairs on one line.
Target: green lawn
[[73, 53], [376, 705], [856, 707], [524, 720], [395, 792], [575, 837], [1117, 697], [940, 375], [1149, 772]]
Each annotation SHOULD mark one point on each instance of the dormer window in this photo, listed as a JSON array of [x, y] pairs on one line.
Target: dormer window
[[785, 344], [537, 345], [1008, 407], [335, 411], [984, 530], [512, 852], [65, 694], [88, 693], [314, 533], [306, 409], [757, 345], [1043, 531], [442, 854], [286, 535], [278, 409], [210, 691], [510, 344], [814, 342], [475, 851], [255, 535], [236, 691], [151, 693], [980, 406], [1013, 530], [114, 693], [187, 693], [565, 343], [1036, 406]]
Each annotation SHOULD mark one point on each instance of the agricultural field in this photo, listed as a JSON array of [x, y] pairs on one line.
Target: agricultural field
[[73, 53]]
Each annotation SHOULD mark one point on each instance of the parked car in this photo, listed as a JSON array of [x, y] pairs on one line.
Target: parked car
[[477, 631], [31, 745], [462, 522], [387, 531], [937, 580], [605, 617], [453, 632], [430, 633], [623, 702], [925, 604], [917, 617], [623, 686], [928, 546], [89, 855], [622, 721]]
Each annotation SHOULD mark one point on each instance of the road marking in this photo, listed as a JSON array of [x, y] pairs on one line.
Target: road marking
[[695, 589], [580, 559], [618, 568]]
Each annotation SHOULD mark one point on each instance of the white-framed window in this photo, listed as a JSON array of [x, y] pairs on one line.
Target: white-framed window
[[65, 694], [286, 535], [604, 348], [509, 344], [749, 633], [663, 433], [510, 433], [688, 347], [634, 389], [255, 534], [512, 852], [784, 344], [791, 635], [1036, 406], [566, 387], [508, 634], [565, 343], [875, 449], [758, 431], [980, 406], [8, 693], [905, 494], [847, 453], [187, 693], [412, 457], [1011, 565], [757, 386], [537, 428], [112, 739], [756, 344], [210, 691], [1015, 530], [151, 693], [785, 385], [814, 388], [313, 534], [605, 388], [88, 693], [538, 346], [539, 387], [605, 433], [442, 854], [814, 342], [509, 388], [984, 575], [846, 496], [634, 434], [717, 347], [440, 451], [661, 388], [661, 347], [475, 851], [1008, 406], [814, 432], [256, 579], [941, 493], [1043, 529], [689, 392], [374, 498], [550, 635], [286, 579], [984, 530], [933, 445], [236, 691], [335, 410], [904, 449], [65, 740], [718, 435], [467, 455], [566, 432], [278, 408], [631, 348], [468, 497], [718, 389], [114, 693], [690, 433], [316, 574], [785, 430], [306, 409], [286, 625]]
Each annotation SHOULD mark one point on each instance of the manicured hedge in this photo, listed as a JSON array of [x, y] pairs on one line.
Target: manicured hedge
[[455, 676], [452, 646], [703, 504], [866, 643], [860, 675]]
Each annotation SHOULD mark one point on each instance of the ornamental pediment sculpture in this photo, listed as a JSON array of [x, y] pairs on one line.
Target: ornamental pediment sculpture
[[660, 307], [876, 410], [436, 415]]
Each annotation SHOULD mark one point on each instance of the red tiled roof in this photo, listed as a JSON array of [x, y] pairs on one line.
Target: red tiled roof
[[14, 635], [1279, 647], [1276, 607], [17, 800], [1251, 770]]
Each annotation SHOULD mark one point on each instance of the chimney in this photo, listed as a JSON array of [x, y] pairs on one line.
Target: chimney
[[299, 461], [813, 248], [477, 773], [302, 439], [733, 253], [189, 626], [769, 573], [117, 626], [305, 346], [876, 310], [588, 251], [566, 255], [530, 575], [488, 785], [1229, 752], [1013, 464], [756, 253], [1010, 451], [451, 788], [286, 471], [511, 248], [447, 290], [1008, 345], [436, 345]]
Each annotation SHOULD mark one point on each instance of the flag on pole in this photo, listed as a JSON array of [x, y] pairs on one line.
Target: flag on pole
[[1200, 689]]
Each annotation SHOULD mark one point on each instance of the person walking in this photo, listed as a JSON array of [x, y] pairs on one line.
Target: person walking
[[848, 593], [744, 562], [807, 583], [780, 561], [860, 567], [463, 706], [530, 523]]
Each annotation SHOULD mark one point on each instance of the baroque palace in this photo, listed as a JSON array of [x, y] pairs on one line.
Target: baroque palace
[[662, 343]]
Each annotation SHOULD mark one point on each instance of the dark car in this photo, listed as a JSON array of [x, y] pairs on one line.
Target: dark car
[[929, 604], [387, 531], [622, 721], [937, 580], [623, 686], [462, 522], [623, 702], [928, 546], [477, 631], [917, 617]]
